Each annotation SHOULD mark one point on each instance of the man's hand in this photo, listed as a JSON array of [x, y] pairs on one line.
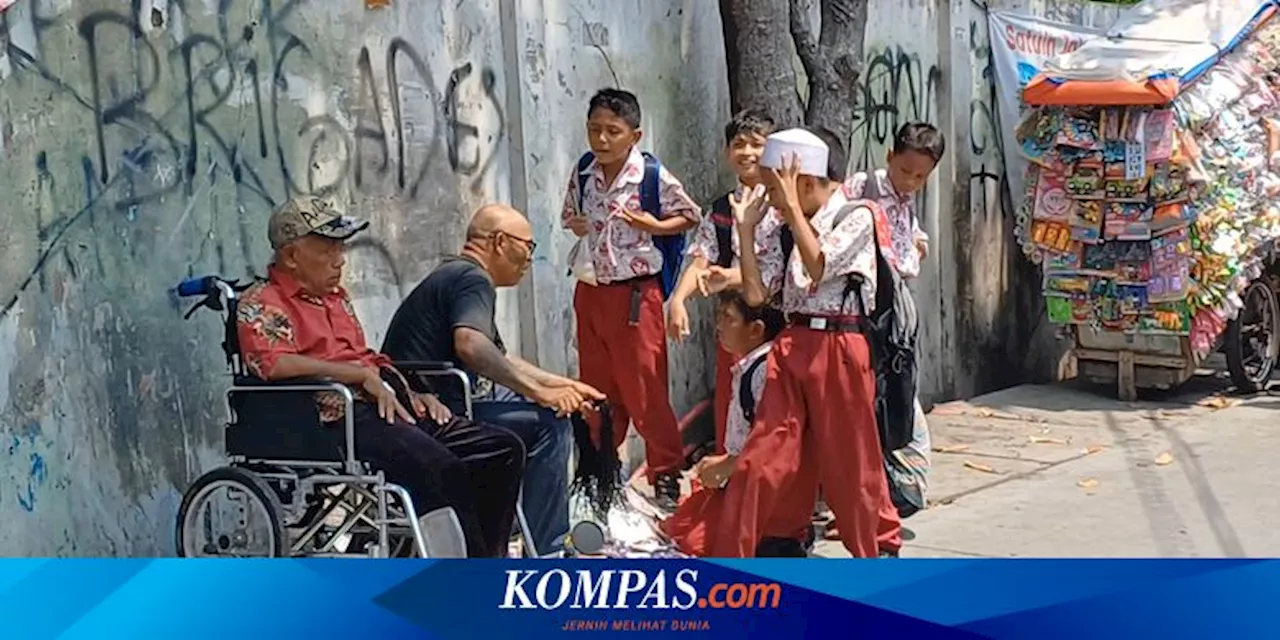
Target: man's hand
[[678, 318], [748, 210], [642, 221], [923, 248], [585, 390], [389, 408], [714, 280], [428, 405], [788, 177], [579, 225], [562, 400]]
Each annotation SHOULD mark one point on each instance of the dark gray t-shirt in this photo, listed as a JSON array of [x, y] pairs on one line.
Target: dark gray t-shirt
[[458, 293]]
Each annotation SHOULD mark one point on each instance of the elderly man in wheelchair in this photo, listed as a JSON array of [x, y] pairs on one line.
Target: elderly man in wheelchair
[[332, 452]]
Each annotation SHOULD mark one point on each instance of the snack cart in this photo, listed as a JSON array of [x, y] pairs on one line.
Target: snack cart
[[1152, 200]]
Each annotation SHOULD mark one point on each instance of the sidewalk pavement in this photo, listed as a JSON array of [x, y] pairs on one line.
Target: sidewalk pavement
[[1069, 471]]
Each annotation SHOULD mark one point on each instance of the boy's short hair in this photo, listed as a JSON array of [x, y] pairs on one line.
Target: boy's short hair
[[623, 104], [837, 161], [773, 319], [749, 121], [920, 137]]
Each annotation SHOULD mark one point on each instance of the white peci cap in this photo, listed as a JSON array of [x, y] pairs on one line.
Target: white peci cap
[[811, 149]]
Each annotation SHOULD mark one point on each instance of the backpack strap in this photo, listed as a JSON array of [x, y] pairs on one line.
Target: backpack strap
[[746, 395], [671, 247], [650, 189], [583, 162], [871, 186], [853, 281], [788, 242], [722, 220]]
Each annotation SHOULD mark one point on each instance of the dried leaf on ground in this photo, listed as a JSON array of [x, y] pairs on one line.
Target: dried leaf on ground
[[1164, 458], [951, 448], [985, 412], [1087, 483], [1218, 402], [948, 409], [979, 467], [1048, 440], [1088, 451]]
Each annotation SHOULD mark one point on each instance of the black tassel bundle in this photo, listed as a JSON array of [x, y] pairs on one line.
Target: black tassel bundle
[[598, 476]]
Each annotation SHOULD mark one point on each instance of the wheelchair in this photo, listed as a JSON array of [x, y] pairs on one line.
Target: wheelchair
[[303, 485]]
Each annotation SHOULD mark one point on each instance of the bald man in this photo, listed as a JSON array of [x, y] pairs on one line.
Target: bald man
[[450, 316]]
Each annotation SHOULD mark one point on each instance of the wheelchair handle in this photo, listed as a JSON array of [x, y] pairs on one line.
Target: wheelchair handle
[[206, 286], [192, 287]]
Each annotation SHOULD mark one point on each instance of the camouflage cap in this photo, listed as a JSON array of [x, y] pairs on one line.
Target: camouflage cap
[[304, 215]]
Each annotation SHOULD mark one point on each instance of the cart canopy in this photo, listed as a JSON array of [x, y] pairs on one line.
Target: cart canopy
[[1151, 52]]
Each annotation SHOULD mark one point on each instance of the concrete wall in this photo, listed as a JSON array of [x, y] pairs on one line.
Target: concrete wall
[[145, 142]]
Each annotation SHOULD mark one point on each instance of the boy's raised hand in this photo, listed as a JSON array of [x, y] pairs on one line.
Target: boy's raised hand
[[787, 178], [748, 208]]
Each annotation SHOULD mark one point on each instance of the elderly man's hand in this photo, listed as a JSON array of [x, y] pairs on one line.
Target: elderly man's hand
[[389, 408], [428, 405]]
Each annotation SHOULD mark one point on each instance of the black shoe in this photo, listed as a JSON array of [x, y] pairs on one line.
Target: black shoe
[[780, 548], [889, 553], [666, 491]]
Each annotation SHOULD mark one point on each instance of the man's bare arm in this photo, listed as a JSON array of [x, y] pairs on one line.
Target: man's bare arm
[[481, 355], [540, 376], [292, 365]]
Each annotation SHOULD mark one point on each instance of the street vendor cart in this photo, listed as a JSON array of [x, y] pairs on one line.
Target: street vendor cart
[[1152, 200]]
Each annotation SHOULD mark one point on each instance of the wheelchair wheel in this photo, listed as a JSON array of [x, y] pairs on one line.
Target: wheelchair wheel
[[246, 524]]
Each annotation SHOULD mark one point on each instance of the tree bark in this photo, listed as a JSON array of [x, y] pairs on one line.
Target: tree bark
[[758, 53], [761, 74]]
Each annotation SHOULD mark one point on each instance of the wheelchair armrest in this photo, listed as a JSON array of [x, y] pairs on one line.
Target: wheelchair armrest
[[297, 385], [423, 366], [245, 381]]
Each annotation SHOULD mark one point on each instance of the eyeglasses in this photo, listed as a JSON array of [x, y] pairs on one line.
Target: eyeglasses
[[528, 242]]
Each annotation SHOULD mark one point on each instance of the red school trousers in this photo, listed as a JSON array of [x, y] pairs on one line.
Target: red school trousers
[[723, 393], [628, 363], [815, 423]]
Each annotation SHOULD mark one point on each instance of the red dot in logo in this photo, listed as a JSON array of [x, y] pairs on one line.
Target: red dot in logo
[[702, 603]]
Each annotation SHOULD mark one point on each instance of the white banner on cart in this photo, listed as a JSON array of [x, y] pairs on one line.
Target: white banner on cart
[[1020, 45]]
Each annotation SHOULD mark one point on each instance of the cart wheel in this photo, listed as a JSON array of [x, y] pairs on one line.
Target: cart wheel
[[230, 512], [1251, 342]]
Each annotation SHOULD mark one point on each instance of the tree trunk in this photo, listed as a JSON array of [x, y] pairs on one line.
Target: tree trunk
[[758, 53]]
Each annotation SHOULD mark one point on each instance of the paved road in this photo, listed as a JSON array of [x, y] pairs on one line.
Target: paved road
[[1065, 471]]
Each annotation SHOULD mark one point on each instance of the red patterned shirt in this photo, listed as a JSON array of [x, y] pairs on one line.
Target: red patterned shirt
[[279, 317]]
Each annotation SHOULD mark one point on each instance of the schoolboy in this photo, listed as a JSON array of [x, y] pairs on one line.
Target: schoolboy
[[917, 148], [622, 347], [746, 333], [710, 269], [816, 421]]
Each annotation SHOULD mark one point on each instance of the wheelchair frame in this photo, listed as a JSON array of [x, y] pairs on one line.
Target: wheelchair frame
[[296, 490]]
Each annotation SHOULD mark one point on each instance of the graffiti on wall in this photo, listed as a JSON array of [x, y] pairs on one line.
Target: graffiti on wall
[[897, 88], [986, 146], [172, 119]]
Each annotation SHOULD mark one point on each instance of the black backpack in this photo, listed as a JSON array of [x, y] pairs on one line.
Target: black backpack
[[892, 331]]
